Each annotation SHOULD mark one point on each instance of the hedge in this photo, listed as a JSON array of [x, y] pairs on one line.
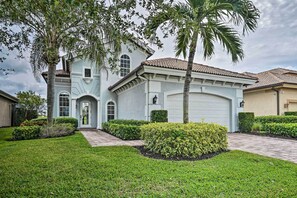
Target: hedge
[[58, 130], [159, 116], [129, 122], [43, 121], [65, 120], [276, 119], [246, 121], [291, 113], [26, 133], [184, 140], [282, 129]]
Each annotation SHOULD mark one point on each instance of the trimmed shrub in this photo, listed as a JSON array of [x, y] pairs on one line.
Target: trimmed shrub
[[69, 120], [184, 140], [282, 129], [26, 133], [57, 130], [39, 121], [246, 121], [129, 122], [159, 116], [125, 132], [257, 127], [291, 113], [276, 119]]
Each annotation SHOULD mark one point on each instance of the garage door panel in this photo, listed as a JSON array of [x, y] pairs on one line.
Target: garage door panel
[[202, 107]]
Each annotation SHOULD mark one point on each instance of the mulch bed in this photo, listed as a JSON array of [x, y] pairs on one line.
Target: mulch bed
[[150, 154], [269, 135]]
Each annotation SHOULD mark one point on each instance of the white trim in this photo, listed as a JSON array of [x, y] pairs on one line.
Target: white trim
[[58, 103], [205, 91], [99, 116], [142, 82], [115, 109], [119, 74], [90, 113], [84, 94]]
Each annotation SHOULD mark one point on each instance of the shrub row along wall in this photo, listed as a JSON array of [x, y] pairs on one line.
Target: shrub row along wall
[[159, 116], [246, 121], [276, 119], [184, 140], [283, 129], [124, 129], [43, 121], [291, 113]]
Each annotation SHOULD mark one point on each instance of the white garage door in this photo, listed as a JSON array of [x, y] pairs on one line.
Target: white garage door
[[202, 107]]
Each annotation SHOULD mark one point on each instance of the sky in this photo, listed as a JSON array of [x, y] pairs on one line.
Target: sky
[[273, 45]]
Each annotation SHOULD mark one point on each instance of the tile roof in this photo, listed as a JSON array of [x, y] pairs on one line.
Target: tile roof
[[173, 63], [274, 77], [59, 72]]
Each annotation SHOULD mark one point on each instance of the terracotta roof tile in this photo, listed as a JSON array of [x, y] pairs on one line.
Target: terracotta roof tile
[[173, 63], [274, 77]]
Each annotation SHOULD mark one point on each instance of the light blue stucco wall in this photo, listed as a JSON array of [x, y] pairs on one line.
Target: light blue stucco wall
[[59, 88]]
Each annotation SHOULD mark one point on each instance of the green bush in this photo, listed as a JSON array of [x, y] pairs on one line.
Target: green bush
[[26, 133], [57, 130], [70, 120], [159, 116], [282, 129], [291, 113], [39, 121], [276, 119], [257, 127], [246, 121], [184, 140], [129, 122], [125, 132]]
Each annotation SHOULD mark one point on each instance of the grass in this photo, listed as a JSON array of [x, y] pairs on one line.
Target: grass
[[69, 167]]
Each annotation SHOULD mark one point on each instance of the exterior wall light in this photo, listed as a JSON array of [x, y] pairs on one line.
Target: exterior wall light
[[241, 104], [155, 99]]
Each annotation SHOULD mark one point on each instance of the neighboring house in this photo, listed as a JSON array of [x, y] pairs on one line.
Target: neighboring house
[[7, 103], [273, 94], [95, 96]]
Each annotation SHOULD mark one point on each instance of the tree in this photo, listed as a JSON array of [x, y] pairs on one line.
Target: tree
[[91, 29], [206, 21], [29, 101]]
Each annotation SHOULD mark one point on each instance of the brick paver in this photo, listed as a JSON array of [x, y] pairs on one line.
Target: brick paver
[[267, 146]]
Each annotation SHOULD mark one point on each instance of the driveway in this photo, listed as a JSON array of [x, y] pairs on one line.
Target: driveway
[[272, 147]]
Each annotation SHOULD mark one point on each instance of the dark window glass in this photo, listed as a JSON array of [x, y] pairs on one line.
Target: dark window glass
[[110, 111], [64, 104], [88, 73], [125, 65]]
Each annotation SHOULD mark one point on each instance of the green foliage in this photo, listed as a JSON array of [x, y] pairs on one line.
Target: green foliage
[[70, 120], [124, 129], [26, 133], [257, 127], [282, 129], [291, 113], [21, 115], [184, 140], [57, 130], [246, 121], [30, 101], [159, 116], [276, 119]]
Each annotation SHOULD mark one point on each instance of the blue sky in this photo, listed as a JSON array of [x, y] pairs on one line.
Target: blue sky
[[274, 44]]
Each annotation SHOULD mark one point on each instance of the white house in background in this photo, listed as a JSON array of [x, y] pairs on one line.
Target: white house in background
[[94, 96]]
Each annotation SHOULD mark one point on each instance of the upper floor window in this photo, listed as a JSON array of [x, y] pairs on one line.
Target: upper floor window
[[64, 104], [125, 65], [88, 73], [110, 111]]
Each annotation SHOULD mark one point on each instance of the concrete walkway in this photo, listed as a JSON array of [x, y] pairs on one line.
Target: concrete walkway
[[267, 146]]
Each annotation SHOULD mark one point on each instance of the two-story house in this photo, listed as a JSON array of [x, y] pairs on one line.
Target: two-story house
[[94, 95]]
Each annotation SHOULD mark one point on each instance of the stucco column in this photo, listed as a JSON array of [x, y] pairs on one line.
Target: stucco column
[[73, 108], [99, 117]]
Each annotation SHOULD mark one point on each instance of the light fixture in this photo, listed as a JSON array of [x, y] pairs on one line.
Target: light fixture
[[242, 104], [155, 99]]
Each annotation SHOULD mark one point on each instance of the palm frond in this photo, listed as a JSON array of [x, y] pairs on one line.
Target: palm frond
[[183, 39], [37, 57]]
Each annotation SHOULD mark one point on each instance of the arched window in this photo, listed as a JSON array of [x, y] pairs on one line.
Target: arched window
[[64, 104], [125, 65], [110, 111]]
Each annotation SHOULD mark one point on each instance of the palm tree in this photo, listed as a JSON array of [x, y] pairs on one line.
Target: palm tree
[[207, 21], [85, 28]]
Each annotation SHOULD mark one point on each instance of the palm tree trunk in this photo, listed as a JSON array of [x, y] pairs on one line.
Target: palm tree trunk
[[188, 78], [50, 93]]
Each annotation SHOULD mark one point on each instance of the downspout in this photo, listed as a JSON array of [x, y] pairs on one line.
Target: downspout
[[277, 100], [148, 93]]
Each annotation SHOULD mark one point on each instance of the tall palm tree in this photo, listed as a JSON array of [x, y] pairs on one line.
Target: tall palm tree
[[207, 21]]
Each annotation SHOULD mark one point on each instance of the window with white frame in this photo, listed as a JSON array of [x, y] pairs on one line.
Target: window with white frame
[[88, 73], [64, 104], [125, 65], [110, 111]]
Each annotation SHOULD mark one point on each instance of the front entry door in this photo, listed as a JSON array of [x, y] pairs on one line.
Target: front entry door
[[85, 114]]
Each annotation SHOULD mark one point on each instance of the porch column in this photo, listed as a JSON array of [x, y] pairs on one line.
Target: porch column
[[99, 117], [73, 108]]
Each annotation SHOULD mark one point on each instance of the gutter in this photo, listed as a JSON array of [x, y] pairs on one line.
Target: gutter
[[277, 99]]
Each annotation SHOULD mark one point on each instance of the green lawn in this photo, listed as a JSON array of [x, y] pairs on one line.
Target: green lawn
[[69, 167]]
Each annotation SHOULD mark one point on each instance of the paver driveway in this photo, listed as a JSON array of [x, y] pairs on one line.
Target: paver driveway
[[268, 146]]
